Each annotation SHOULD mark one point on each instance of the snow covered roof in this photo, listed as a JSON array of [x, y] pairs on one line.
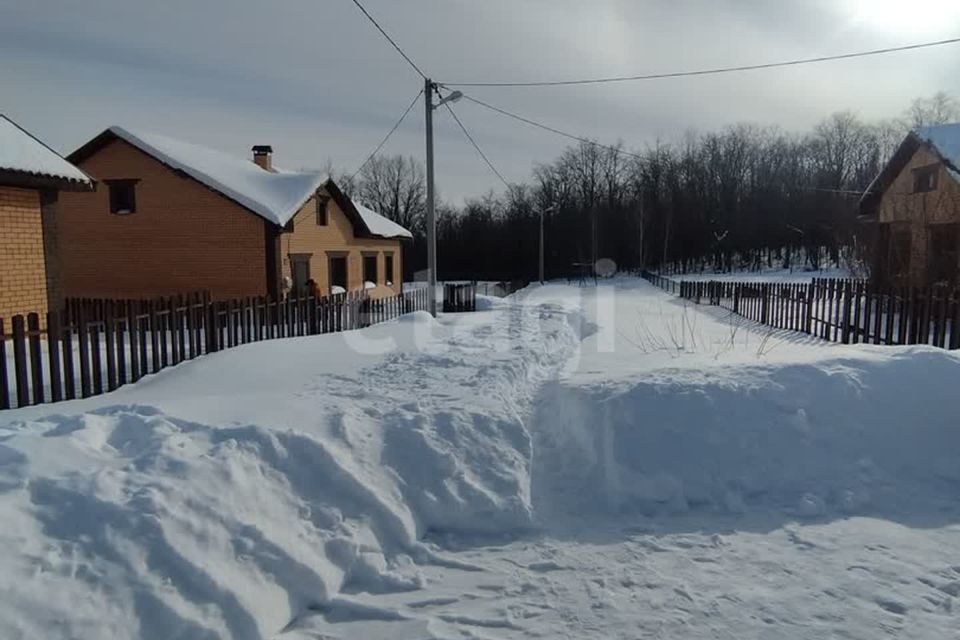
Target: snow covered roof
[[273, 195], [379, 225], [945, 139], [20, 152]]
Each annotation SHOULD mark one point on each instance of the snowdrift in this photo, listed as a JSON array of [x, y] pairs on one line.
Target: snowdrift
[[873, 432], [183, 507]]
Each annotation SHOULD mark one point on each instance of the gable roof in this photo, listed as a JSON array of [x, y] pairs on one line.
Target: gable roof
[[943, 140], [379, 225], [275, 196], [22, 155]]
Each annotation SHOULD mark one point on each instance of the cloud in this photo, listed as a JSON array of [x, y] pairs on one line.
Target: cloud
[[314, 79]]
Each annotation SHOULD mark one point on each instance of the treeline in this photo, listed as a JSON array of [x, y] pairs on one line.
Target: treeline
[[729, 199]]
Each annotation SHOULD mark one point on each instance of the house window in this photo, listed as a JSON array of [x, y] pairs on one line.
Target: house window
[[321, 211], [369, 269], [123, 196], [925, 178], [388, 269]]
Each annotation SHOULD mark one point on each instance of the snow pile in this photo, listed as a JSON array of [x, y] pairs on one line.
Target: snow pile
[[870, 432], [180, 527], [238, 493]]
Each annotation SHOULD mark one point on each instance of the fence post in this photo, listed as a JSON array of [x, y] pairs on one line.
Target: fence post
[[110, 340], [83, 338], [847, 308], [4, 378], [36, 357], [926, 316], [96, 368], [133, 338], [20, 361], [916, 313], [211, 333], [902, 315], [765, 303], [954, 323], [69, 382]]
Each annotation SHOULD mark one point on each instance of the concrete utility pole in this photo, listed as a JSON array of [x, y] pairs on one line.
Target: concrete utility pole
[[541, 247], [429, 87], [552, 207], [431, 208]]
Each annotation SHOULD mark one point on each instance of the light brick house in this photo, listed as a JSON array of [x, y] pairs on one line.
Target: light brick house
[[915, 205], [31, 176], [172, 217]]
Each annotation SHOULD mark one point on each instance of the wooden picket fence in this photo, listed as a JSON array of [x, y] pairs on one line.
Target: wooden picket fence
[[839, 310], [665, 283], [91, 347], [459, 298]]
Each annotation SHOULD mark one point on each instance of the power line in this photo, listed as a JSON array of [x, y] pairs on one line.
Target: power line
[[477, 147], [704, 72], [540, 125], [387, 137], [391, 40]]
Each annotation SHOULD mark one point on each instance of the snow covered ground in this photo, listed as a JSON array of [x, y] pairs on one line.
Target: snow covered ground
[[570, 463]]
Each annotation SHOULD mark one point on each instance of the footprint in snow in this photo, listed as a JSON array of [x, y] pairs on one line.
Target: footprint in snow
[[545, 567], [433, 602], [892, 606]]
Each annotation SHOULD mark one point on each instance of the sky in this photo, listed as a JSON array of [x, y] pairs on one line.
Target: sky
[[315, 79]]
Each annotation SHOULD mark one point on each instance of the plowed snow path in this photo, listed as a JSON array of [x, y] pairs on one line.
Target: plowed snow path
[[687, 578], [698, 476]]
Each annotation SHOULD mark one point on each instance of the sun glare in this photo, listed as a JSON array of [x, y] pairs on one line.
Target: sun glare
[[916, 17]]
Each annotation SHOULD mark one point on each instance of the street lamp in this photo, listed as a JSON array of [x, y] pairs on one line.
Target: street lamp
[[551, 208], [428, 89]]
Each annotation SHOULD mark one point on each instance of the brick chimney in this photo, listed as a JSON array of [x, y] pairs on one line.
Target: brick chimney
[[263, 156]]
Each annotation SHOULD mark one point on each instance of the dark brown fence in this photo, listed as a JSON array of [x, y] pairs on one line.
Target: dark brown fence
[[459, 298], [847, 311], [667, 284], [95, 346]]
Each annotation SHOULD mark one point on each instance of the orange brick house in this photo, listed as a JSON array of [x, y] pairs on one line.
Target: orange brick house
[[171, 217], [31, 176], [915, 206]]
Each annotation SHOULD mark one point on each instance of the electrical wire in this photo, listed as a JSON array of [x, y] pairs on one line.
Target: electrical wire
[[704, 72], [391, 40], [387, 137], [545, 127], [477, 147]]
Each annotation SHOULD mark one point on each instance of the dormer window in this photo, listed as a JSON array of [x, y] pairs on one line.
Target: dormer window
[[322, 209], [123, 196], [925, 178]]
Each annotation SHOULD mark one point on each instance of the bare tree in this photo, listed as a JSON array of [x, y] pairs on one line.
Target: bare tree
[[395, 187], [939, 108]]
